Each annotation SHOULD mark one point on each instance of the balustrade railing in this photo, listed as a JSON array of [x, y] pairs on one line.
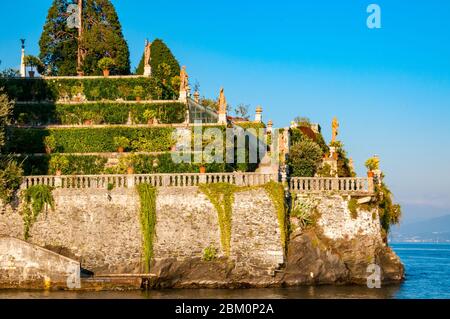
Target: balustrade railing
[[157, 180], [323, 184], [354, 185]]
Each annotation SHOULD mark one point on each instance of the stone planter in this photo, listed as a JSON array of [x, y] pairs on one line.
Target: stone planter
[[105, 73]]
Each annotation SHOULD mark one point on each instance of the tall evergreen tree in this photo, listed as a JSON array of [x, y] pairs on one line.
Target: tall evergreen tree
[[5, 111], [161, 54], [102, 37]]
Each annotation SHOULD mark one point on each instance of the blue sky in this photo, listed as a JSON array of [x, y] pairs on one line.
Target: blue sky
[[390, 88]]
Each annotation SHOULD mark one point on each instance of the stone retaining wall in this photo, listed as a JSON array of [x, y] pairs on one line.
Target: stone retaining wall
[[101, 229]]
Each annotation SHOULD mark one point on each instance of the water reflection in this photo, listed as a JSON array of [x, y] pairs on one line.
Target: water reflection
[[318, 292]]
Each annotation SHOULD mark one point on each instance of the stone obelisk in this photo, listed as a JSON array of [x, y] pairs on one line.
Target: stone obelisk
[[22, 60]]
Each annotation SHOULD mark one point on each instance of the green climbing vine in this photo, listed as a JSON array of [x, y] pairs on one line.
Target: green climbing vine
[[276, 193], [390, 213], [221, 196], [147, 194], [36, 199]]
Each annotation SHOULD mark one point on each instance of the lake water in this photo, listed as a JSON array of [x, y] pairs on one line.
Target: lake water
[[427, 269]]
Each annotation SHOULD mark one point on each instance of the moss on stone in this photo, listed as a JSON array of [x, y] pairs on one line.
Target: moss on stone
[[353, 208], [147, 194], [221, 196], [276, 193]]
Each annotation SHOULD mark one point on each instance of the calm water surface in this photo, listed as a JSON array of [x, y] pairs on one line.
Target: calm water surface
[[427, 268]]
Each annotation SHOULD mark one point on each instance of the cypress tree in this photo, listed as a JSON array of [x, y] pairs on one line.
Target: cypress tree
[[161, 54], [58, 43], [102, 37]]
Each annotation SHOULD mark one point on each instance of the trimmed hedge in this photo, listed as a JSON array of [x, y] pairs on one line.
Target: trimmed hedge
[[88, 140], [249, 125], [159, 164], [95, 165], [78, 165], [94, 89], [96, 113]]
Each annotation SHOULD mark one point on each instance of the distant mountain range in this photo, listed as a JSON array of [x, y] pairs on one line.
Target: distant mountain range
[[431, 230]]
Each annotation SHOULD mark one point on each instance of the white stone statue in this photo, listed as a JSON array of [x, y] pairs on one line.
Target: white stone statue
[[147, 58]]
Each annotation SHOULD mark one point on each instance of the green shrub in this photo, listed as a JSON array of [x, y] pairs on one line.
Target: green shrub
[[33, 62], [305, 158], [98, 113], [390, 213], [139, 91], [78, 165], [209, 253], [106, 63], [306, 213], [343, 163], [36, 199], [353, 208], [50, 143], [121, 142], [97, 89], [11, 173], [325, 171], [58, 163], [89, 140], [373, 163]]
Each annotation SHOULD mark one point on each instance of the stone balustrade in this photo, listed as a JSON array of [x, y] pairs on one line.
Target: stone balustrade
[[158, 180], [354, 185]]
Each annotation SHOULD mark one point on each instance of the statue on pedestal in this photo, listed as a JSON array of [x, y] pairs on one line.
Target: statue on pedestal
[[222, 102], [184, 85], [335, 129], [147, 58], [222, 107], [184, 80]]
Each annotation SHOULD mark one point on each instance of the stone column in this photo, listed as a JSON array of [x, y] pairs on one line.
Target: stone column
[[239, 179], [196, 97], [269, 126], [130, 181], [378, 177], [183, 96], [22, 61], [258, 116], [370, 186], [58, 181], [222, 118]]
